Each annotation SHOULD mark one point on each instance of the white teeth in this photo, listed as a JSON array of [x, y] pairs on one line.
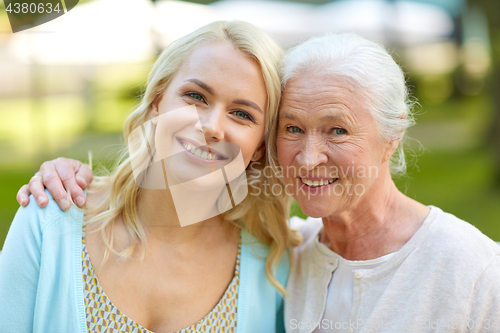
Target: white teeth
[[201, 153], [317, 183], [307, 181]]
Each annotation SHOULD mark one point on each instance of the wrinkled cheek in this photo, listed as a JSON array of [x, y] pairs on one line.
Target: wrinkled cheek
[[285, 161], [284, 152]]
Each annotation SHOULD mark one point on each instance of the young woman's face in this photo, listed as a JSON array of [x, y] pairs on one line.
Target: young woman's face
[[212, 112]]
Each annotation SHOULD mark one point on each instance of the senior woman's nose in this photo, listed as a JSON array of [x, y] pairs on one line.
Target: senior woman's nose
[[312, 153], [212, 123]]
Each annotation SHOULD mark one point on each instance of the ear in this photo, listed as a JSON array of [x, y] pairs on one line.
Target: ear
[[259, 152], [390, 149], [393, 144], [155, 112]]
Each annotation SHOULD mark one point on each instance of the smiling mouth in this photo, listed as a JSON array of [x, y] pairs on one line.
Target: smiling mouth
[[317, 183], [202, 152]]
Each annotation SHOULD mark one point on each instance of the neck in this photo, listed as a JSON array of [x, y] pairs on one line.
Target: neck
[[379, 223], [158, 215], [184, 212]]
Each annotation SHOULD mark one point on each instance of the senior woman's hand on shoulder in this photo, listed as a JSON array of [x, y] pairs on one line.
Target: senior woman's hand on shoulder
[[60, 176]]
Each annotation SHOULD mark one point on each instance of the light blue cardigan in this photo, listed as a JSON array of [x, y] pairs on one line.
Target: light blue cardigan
[[41, 288]]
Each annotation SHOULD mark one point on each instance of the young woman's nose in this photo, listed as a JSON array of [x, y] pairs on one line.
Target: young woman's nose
[[212, 123], [312, 153]]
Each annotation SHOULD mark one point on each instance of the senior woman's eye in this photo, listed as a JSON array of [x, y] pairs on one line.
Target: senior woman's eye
[[339, 131], [196, 96], [243, 115], [293, 129]]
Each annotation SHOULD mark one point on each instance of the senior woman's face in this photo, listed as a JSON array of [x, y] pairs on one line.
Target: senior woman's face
[[328, 144]]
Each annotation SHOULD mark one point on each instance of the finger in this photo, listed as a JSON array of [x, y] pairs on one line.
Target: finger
[[54, 184], [83, 178], [37, 189], [66, 169], [23, 195], [84, 174]]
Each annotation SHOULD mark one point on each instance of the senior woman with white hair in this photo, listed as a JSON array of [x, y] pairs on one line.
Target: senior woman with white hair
[[372, 259]]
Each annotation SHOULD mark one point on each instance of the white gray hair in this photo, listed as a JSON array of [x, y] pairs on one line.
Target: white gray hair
[[367, 66]]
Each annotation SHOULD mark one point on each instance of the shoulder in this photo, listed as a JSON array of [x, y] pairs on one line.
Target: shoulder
[[450, 232], [36, 217], [456, 240], [37, 220]]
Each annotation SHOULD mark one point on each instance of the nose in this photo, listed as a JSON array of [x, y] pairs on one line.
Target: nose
[[313, 152], [212, 124]]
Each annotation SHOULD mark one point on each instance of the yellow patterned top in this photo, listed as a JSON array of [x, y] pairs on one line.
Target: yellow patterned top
[[103, 316]]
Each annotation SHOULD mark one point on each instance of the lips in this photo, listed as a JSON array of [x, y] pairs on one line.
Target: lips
[[199, 151]]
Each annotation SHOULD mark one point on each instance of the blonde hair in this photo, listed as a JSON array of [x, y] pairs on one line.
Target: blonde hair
[[268, 223]]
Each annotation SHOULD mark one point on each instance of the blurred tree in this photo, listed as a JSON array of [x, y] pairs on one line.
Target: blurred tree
[[491, 8]]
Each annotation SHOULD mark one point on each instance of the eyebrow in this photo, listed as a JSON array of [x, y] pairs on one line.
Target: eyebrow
[[211, 91], [328, 117], [201, 84], [248, 103], [288, 116]]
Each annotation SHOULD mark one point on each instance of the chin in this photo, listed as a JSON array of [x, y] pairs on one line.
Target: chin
[[315, 215], [315, 209]]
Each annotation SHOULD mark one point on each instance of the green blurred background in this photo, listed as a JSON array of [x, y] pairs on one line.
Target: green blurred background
[[454, 163]]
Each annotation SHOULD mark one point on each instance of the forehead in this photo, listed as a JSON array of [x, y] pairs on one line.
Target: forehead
[[219, 61], [316, 93], [214, 53]]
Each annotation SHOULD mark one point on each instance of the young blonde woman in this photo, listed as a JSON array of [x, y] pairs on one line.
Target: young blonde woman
[[124, 263]]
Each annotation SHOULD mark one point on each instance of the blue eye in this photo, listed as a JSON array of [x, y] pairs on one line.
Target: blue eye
[[196, 96], [339, 131], [242, 115], [293, 129]]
